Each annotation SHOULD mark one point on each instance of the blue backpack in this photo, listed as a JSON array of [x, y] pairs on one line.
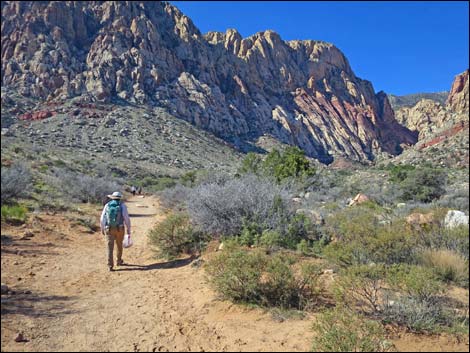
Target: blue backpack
[[114, 214]]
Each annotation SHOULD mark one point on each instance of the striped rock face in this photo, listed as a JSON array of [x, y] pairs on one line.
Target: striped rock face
[[303, 93]]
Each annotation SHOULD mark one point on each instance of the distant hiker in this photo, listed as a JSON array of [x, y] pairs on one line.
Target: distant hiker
[[140, 190], [112, 221], [133, 190]]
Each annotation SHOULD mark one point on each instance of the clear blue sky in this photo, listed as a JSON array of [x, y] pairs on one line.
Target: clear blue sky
[[401, 47]]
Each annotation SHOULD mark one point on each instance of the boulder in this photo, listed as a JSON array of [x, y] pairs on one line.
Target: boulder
[[358, 199], [455, 218], [420, 219]]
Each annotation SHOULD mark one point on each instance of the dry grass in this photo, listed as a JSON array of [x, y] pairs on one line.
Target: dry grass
[[448, 265]]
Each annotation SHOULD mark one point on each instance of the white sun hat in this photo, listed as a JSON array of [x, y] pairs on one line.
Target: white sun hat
[[115, 196]]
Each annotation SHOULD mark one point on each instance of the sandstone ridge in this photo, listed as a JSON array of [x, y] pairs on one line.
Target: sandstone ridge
[[302, 93]]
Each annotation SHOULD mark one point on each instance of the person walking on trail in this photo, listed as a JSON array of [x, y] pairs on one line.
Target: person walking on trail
[[113, 219], [133, 190]]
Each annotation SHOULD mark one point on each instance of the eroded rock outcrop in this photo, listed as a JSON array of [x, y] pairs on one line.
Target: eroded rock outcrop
[[459, 96], [301, 92], [431, 118]]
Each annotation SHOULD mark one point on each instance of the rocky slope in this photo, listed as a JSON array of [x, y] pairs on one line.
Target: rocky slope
[[410, 100], [443, 129], [300, 92], [429, 117]]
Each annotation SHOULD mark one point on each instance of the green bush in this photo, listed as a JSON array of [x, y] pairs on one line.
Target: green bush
[[251, 164], [361, 285], [400, 172], [415, 281], [189, 178], [15, 214], [236, 274], [270, 239], [341, 330], [291, 163], [256, 278], [362, 239], [423, 185], [175, 235]]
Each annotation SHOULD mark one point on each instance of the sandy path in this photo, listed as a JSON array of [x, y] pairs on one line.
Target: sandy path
[[150, 305]]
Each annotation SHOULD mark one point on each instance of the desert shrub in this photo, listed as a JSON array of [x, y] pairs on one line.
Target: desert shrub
[[174, 198], [283, 288], [236, 274], [362, 238], [352, 223], [415, 281], [175, 235], [254, 277], [424, 184], [288, 233], [342, 330], [15, 214], [361, 285], [456, 197], [271, 239], [419, 314], [290, 163], [83, 187], [456, 239], [436, 236], [251, 164], [448, 265], [223, 209], [189, 178], [16, 182], [303, 247], [400, 172], [157, 184]]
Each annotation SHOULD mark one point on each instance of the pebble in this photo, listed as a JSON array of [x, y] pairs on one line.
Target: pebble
[[20, 338]]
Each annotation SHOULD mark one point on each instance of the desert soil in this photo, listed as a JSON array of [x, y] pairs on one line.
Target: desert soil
[[64, 298]]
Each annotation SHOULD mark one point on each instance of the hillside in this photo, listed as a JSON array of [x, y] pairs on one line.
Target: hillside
[[410, 100], [302, 93]]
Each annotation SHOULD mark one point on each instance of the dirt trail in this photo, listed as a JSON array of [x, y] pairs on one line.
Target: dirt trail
[[149, 305], [72, 303]]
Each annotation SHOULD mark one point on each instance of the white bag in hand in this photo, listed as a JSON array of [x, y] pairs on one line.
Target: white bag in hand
[[127, 242]]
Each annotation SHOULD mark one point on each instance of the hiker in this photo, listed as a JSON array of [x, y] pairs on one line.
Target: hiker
[[140, 190], [133, 190], [112, 221]]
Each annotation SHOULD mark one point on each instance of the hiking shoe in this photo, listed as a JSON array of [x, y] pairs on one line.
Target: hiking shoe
[[110, 268]]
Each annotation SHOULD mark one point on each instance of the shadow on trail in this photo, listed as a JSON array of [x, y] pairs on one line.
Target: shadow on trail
[[142, 215], [158, 265], [36, 305]]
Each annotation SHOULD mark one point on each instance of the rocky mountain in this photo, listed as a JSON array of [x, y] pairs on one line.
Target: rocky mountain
[[410, 100], [443, 128], [429, 117], [302, 93], [458, 96]]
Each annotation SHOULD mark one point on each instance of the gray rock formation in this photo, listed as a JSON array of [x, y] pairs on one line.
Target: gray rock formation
[[302, 93]]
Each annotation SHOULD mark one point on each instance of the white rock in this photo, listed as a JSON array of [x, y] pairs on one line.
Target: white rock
[[455, 218]]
